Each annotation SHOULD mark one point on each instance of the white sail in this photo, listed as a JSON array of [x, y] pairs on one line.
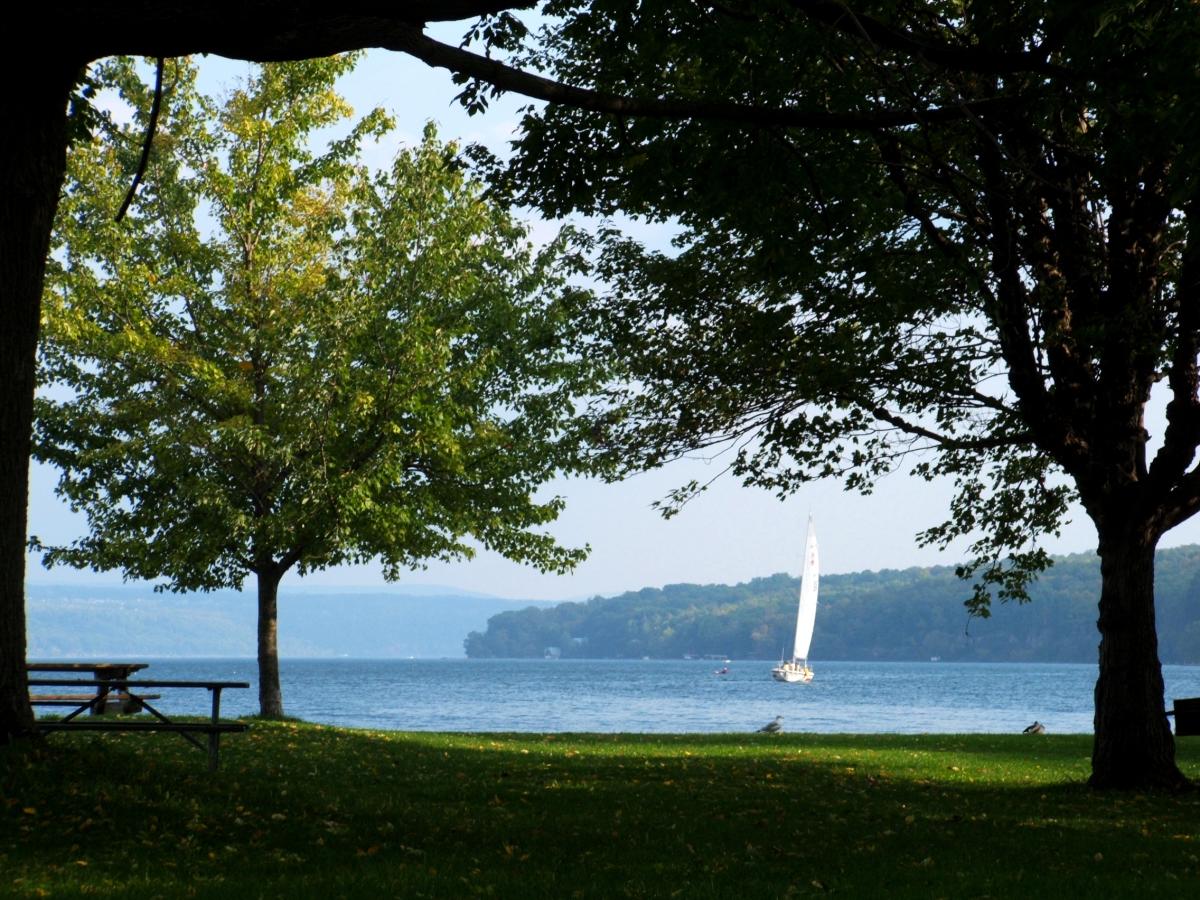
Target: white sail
[[806, 612], [796, 670]]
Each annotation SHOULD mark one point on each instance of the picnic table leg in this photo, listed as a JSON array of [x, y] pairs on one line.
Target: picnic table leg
[[214, 737], [112, 677], [100, 704]]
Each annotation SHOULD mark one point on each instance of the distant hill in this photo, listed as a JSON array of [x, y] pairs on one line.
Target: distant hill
[[83, 621], [914, 614]]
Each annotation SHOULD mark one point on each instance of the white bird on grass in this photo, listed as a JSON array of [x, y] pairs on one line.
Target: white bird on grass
[[1036, 728], [772, 727]]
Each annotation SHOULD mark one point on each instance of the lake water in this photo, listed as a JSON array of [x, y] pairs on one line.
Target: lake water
[[663, 695]]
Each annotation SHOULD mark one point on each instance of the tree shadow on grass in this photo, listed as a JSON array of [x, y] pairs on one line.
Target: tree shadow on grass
[[302, 810]]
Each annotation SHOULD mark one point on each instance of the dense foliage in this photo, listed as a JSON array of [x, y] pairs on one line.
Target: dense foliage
[[983, 263], [281, 360], [889, 615], [959, 231]]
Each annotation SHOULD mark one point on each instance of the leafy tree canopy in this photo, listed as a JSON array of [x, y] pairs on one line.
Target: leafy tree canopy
[[283, 360], [1027, 167], [953, 233], [977, 253]]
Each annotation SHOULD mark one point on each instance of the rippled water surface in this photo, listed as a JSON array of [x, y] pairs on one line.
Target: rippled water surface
[[663, 696]]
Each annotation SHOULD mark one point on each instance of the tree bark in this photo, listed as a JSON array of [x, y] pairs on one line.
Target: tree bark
[[270, 696], [1133, 745], [33, 157]]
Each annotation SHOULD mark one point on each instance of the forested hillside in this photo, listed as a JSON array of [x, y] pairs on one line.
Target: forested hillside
[[888, 615]]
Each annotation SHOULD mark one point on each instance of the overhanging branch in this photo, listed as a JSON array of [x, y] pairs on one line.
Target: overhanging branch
[[434, 53], [253, 30], [946, 441], [151, 126]]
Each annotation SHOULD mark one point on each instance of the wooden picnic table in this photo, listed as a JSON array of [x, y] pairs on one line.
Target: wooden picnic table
[[1187, 716], [104, 675], [134, 691]]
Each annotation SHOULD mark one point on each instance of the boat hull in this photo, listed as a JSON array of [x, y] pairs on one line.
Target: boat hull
[[792, 673]]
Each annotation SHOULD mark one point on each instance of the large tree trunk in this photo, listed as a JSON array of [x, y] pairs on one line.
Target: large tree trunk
[[33, 145], [270, 696], [1133, 746]]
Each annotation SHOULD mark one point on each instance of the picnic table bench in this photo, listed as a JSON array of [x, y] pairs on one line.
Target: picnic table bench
[[133, 692], [1187, 716]]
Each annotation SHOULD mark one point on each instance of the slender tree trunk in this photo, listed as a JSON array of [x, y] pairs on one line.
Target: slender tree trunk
[[270, 696], [1133, 746], [33, 144]]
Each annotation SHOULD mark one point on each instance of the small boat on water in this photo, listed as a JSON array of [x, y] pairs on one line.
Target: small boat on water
[[797, 670]]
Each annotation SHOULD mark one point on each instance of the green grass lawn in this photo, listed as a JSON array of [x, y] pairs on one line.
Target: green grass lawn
[[304, 811]]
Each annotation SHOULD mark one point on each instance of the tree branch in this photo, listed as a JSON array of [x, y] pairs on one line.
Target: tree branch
[[151, 127], [438, 55], [1183, 411], [1009, 317], [254, 30], [949, 443], [1182, 503]]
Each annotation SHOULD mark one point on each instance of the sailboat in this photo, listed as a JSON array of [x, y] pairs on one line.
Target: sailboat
[[796, 670]]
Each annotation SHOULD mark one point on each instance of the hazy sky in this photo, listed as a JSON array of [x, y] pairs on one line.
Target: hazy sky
[[727, 535]]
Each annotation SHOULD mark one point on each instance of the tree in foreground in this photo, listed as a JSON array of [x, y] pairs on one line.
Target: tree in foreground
[[285, 362], [1036, 156], [955, 233]]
